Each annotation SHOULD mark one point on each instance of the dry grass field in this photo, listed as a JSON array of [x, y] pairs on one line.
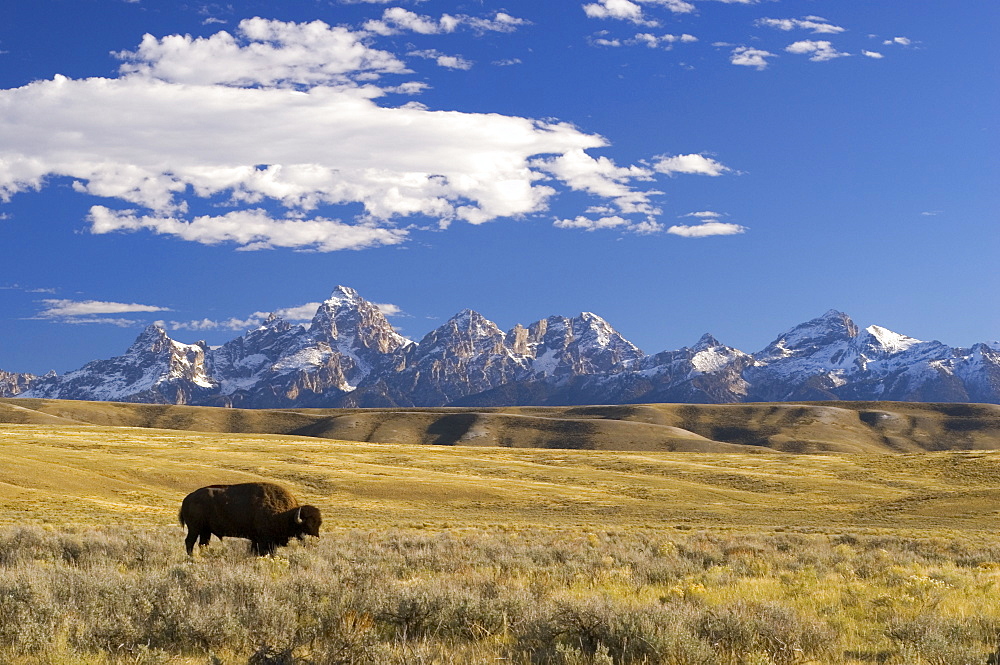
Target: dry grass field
[[848, 427], [458, 554]]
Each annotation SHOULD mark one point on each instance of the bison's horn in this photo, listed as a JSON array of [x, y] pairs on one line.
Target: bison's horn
[[298, 515]]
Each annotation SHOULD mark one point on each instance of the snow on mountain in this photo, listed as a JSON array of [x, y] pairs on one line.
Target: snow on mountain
[[349, 355], [154, 369]]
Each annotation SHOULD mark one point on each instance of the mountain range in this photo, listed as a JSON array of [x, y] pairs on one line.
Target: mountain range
[[349, 355]]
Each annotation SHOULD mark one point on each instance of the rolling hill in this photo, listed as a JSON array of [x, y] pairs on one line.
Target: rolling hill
[[808, 427]]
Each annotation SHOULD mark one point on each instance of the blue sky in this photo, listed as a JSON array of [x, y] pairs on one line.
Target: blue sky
[[676, 166]]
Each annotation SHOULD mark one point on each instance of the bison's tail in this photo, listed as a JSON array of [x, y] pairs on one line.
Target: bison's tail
[[180, 516]]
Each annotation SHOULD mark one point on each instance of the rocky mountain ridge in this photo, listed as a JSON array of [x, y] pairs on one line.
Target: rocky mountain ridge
[[349, 355]]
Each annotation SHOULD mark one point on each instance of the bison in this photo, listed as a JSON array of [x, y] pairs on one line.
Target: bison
[[265, 513]]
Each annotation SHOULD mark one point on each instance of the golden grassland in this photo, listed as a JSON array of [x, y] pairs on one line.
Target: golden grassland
[[119, 475], [462, 554]]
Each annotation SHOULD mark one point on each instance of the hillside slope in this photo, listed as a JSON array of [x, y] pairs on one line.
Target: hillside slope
[[88, 475], [817, 427]]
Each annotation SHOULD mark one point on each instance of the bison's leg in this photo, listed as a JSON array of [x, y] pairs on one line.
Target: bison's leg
[[190, 540], [262, 547], [204, 538]]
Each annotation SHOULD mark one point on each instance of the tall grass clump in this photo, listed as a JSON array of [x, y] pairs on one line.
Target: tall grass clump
[[531, 596]]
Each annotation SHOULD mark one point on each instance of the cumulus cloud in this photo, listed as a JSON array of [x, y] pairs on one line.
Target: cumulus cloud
[[713, 228], [695, 164], [818, 51], [59, 308], [602, 177], [747, 56], [285, 115], [903, 41], [815, 23], [627, 10], [262, 52], [872, 54]]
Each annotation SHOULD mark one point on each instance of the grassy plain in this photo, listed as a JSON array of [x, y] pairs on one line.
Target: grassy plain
[[458, 554]]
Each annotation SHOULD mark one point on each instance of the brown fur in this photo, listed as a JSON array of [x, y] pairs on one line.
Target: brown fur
[[265, 513]]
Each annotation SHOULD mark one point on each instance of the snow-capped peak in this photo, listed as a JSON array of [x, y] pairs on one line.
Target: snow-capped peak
[[832, 327], [890, 341], [706, 341]]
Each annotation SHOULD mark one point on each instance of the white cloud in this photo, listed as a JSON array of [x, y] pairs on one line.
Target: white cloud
[[903, 41], [704, 214], [706, 229], [695, 164], [121, 323], [296, 314], [58, 308], [263, 52], [820, 50], [654, 41], [501, 22], [251, 230], [645, 227], [173, 130], [442, 60], [815, 23], [388, 309], [592, 224], [747, 56], [599, 176], [627, 10], [299, 313], [396, 20], [620, 9], [506, 62], [872, 54]]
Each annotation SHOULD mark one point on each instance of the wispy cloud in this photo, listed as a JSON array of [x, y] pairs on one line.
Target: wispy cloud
[[59, 308], [447, 61], [644, 227], [250, 229], [396, 20], [647, 39], [706, 229], [693, 164], [295, 314], [872, 54], [388, 309], [816, 24]]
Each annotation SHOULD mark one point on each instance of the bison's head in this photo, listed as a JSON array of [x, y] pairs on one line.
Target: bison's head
[[307, 521]]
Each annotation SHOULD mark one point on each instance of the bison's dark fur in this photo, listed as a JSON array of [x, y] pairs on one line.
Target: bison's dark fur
[[264, 513]]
